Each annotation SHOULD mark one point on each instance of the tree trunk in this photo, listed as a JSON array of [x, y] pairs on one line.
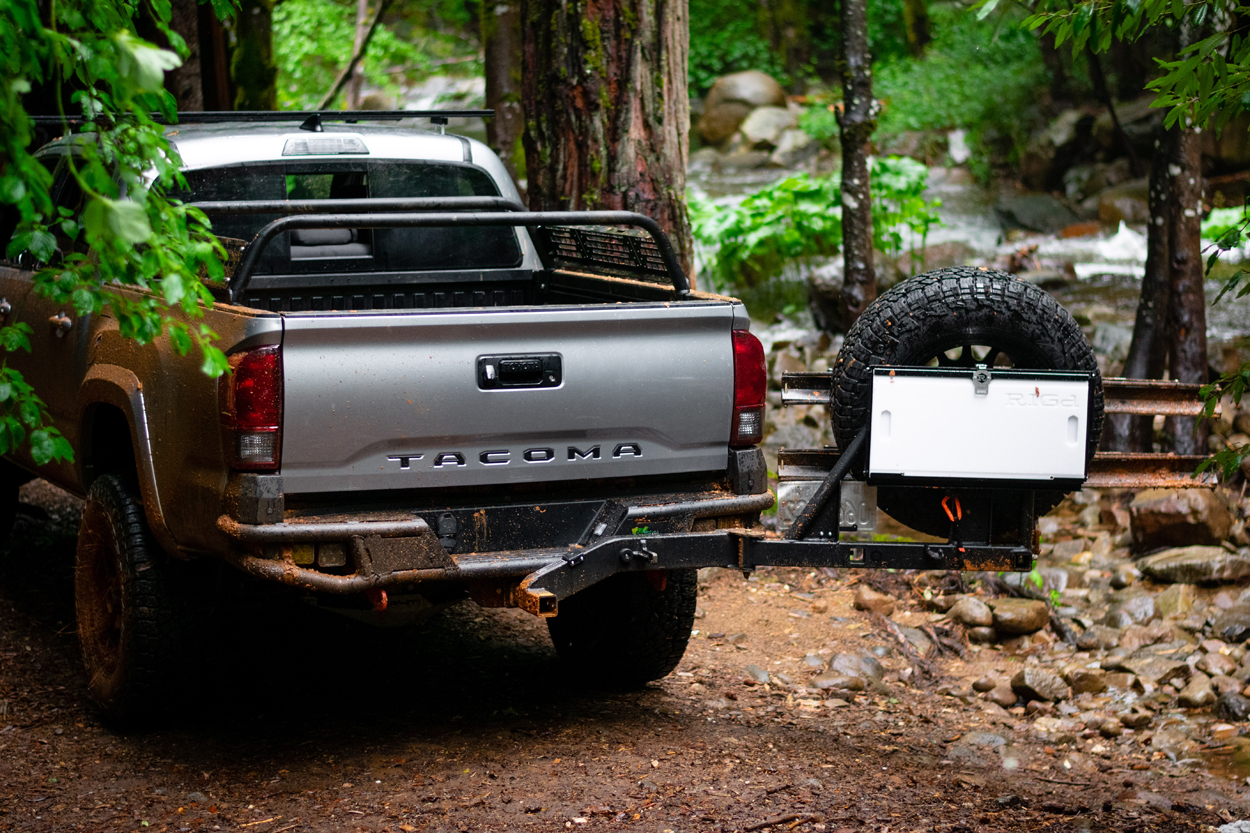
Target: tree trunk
[[916, 22], [501, 42], [1148, 351], [786, 22], [857, 121], [606, 108], [253, 74], [185, 81], [1187, 304], [358, 74]]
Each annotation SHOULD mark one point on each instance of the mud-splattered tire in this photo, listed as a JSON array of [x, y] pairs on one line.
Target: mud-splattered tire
[[132, 622], [960, 310], [624, 632]]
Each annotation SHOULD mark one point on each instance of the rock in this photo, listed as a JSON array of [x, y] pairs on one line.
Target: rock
[[1111, 728], [840, 682], [1112, 340], [918, 639], [982, 636], [763, 128], [1214, 664], [1003, 695], [856, 665], [744, 160], [1127, 202], [1173, 743], [1099, 637], [1177, 600], [1083, 680], [1124, 576], [922, 146], [1232, 707], [1138, 119], [731, 100], [1019, 616], [197, 798], [1179, 518], [793, 148], [984, 739], [1132, 610], [757, 674], [1197, 564], [1034, 212], [972, 612], [1157, 670], [1226, 685], [868, 599], [1139, 636], [814, 660], [1036, 684], [1233, 624], [984, 684], [1198, 693], [1068, 550]]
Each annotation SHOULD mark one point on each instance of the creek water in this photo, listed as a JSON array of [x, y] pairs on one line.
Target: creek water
[[1104, 269]]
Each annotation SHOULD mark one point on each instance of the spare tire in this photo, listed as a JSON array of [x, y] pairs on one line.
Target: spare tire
[[956, 317]]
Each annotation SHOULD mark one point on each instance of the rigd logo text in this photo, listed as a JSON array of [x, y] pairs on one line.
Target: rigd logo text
[[1040, 400], [504, 456]]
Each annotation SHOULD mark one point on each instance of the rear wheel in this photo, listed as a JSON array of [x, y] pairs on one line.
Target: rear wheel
[[128, 601], [957, 317], [629, 629]]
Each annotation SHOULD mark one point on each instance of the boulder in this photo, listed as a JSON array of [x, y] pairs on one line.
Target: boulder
[[1082, 680], [1232, 707], [1099, 636], [1216, 665], [1157, 669], [1233, 625], [972, 612], [868, 599], [731, 100], [1003, 695], [1198, 564], [1037, 684], [856, 665], [1177, 600], [1019, 616], [743, 160], [1198, 693], [1034, 212], [840, 682], [981, 636], [762, 129], [1128, 202], [793, 148], [1178, 518], [1130, 610]]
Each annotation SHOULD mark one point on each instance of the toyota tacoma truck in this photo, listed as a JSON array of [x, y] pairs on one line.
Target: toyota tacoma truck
[[434, 393]]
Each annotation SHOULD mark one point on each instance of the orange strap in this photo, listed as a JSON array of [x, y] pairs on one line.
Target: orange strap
[[958, 514]]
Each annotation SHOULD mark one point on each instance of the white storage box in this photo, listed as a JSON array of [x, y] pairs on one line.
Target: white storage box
[[931, 426]]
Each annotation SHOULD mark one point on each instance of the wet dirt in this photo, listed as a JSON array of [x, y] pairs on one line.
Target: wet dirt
[[303, 721]]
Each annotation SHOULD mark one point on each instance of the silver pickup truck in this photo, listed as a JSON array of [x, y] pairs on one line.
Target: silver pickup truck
[[426, 400], [437, 394]]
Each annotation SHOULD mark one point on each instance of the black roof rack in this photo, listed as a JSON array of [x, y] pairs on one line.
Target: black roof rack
[[310, 119]]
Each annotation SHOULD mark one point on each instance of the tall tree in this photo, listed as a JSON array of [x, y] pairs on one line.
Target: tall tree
[[606, 108], [253, 73], [357, 79], [916, 22], [501, 45], [857, 120]]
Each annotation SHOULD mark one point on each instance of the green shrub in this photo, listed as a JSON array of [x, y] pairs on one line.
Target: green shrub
[[799, 218], [725, 38]]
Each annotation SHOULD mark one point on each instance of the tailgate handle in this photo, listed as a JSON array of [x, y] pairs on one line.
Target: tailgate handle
[[530, 371]]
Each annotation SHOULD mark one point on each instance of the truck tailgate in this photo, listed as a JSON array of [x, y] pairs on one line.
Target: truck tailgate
[[401, 400]]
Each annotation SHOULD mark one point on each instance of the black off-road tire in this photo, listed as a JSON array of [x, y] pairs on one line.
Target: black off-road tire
[[922, 319], [131, 606], [624, 632]]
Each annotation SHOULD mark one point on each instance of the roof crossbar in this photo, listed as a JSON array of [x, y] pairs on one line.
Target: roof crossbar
[[310, 119]]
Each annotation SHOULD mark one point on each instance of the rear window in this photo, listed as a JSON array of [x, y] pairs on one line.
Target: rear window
[[357, 250]]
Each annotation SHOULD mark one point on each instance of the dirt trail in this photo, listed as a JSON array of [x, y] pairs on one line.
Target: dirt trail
[[307, 722]]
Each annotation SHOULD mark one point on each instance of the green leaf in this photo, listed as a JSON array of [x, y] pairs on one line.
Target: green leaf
[[42, 245], [12, 189], [144, 64], [125, 218]]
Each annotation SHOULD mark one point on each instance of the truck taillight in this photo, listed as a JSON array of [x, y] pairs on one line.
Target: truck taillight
[[750, 383], [251, 409]]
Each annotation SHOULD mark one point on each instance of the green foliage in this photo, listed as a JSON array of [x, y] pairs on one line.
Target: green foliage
[[129, 235], [1209, 81], [821, 124], [1233, 385], [800, 218], [973, 75], [725, 38], [313, 41]]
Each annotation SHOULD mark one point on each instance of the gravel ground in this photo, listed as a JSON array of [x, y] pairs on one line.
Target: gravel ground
[[302, 721]]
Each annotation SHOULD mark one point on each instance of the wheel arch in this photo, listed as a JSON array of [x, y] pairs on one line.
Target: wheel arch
[[114, 439]]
